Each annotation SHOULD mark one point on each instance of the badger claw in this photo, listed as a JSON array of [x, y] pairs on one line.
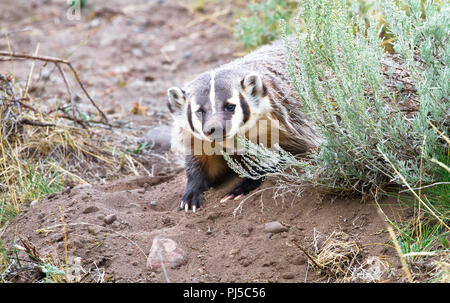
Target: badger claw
[[231, 197], [238, 197], [243, 188], [191, 201], [226, 198]]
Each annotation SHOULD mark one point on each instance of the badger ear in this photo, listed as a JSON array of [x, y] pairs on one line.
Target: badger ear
[[253, 85], [176, 99]]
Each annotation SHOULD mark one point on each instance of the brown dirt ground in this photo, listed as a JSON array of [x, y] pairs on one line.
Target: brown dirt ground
[[133, 54]]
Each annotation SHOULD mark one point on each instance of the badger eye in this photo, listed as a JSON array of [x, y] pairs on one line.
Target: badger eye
[[199, 112], [230, 107]]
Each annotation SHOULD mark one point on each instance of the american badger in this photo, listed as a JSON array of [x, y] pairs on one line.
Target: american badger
[[232, 100]]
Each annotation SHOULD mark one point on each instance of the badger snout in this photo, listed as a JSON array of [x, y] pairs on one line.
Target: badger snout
[[214, 130]]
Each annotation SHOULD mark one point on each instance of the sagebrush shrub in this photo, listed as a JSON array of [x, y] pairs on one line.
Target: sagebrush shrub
[[344, 80]]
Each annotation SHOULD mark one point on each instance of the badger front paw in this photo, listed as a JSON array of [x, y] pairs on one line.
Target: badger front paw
[[243, 188], [192, 199]]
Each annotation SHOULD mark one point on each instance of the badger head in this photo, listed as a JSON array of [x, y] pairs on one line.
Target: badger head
[[218, 105]]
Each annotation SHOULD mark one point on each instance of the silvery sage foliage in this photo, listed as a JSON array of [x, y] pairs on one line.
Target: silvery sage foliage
[[365, 102]]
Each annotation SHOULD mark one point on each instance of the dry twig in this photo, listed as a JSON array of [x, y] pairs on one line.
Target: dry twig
[[57, 61]]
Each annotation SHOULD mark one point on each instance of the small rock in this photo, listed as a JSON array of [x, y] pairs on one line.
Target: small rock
[[172, 255], [66, 190], [81, 186], [90, 209], [153, 203], [234, 252], [245, 262], [52, 195], [57, 238], [298, 260], [110, 219], [213, 215], [187, 55], [246, 233], [137, 52], [33, 203], [46, 72], [288, 276], [274, 227], [149, 78], [158, 138]]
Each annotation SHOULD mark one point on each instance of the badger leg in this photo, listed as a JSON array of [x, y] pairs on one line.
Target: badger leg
[[243, 188], [197, 183]]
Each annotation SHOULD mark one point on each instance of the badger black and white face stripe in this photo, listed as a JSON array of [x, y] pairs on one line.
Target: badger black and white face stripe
[[220, 104]]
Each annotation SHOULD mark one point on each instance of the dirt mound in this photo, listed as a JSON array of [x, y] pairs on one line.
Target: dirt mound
[[111, 228]]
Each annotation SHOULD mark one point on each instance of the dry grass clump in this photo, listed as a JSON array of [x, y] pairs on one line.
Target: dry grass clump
[[337, 255], [442, 270], [46, 146]]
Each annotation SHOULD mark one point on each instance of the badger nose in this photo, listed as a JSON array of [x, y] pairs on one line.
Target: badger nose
[[209, 131], [213, 130]]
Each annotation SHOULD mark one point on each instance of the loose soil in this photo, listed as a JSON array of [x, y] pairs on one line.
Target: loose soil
[[133, 53]]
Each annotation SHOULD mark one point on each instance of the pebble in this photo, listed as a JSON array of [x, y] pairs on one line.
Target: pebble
[[110, 219], [90, 209], [137, 52], [187, 55], [173, 256], [149, 78], [33, 203], [288, 276], [274, 227], [52, 195], [81, 186], [153, 203], [234, 252], [159, 138], [57, 238], [298, 260], [213, 215]]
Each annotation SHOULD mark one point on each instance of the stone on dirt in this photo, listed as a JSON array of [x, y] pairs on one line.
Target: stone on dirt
[[90, 209], [167, 250], [82, 186], [288, 276], [274, 227], [110, 219], [159, 138]]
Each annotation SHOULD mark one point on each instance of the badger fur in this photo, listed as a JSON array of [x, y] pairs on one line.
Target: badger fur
[[231, 100]]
